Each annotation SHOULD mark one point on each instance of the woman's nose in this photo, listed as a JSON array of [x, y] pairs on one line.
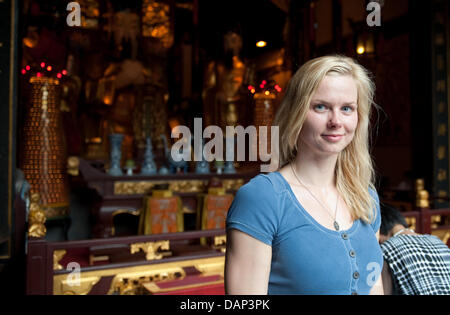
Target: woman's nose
[[334, 119]]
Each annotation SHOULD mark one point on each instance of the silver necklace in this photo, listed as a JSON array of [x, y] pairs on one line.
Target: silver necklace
[[335, 224]]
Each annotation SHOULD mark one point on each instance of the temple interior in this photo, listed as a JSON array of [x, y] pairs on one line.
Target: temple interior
[[99, 96]]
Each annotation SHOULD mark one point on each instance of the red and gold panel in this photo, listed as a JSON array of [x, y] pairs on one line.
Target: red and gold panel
[[215, 211], [162, 215]]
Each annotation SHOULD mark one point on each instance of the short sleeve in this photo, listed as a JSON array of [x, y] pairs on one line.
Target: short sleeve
[[376, 223], [254, 210]]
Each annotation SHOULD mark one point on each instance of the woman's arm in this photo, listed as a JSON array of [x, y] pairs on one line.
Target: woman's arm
[[247, 264]]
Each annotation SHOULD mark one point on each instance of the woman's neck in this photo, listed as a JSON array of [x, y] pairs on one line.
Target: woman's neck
[[316, 171]]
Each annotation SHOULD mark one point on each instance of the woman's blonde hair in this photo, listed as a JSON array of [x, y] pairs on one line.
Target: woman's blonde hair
[[354, 171]]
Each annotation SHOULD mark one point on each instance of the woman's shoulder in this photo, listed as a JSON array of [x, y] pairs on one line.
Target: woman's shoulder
[[264, 183], [255, 208]]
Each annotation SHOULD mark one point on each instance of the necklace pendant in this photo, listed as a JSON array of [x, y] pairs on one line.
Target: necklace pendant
[[336, 226]]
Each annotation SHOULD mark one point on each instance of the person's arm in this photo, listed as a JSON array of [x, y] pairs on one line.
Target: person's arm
[[387, 279], [247, 264], [377, 288]]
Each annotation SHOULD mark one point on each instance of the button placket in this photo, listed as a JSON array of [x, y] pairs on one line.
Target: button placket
[[355, 275]]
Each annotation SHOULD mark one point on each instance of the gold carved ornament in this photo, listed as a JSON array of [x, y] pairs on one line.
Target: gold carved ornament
[[151, 249], [36, 218], [220, 243], [133, 283], [63, 285], [57, 256], [422, 196], [73, 164]]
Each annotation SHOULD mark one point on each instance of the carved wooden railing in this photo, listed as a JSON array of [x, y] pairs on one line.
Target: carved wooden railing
[[163, 257]]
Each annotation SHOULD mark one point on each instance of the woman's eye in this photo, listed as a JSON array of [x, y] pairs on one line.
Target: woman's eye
[[347, 109], [319, 107]]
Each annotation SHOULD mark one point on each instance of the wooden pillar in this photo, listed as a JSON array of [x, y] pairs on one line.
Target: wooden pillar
[[197, 82], [39, 279], [337, 25], [299, 35], [8, 96], [440, 111], [421, 94]]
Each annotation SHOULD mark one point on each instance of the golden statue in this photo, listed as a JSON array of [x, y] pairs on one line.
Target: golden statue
[[36, 218], [114, 94], [225, 86], [129, 94]]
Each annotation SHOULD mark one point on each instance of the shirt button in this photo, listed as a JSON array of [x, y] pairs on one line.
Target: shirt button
[[356, 275], [352, 254], [345, 236]]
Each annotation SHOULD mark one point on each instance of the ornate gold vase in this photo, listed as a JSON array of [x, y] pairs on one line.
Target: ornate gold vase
[[44, 151]]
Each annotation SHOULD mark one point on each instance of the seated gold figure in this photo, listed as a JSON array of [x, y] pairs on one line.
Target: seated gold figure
[[116, 89], [224, 85]]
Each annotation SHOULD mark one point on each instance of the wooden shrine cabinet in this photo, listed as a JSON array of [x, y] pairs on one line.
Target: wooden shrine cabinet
[[125, 194]]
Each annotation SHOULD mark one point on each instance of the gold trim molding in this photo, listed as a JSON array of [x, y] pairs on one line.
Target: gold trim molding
[[177, 186], [143, 187], [232, 184]]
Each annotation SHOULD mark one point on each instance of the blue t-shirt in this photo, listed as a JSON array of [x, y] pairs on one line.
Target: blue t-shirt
[[307, 258]]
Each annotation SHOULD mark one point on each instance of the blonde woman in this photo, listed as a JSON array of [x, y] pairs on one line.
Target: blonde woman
[[312, 227]]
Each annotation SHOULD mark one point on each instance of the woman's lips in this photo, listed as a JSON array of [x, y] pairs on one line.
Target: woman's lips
[[333, 138]]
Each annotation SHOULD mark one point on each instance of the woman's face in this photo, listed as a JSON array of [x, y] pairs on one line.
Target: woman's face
[[332, 116]]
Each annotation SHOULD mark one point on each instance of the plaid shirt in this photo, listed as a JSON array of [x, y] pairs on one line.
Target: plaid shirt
[[419, 264]]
